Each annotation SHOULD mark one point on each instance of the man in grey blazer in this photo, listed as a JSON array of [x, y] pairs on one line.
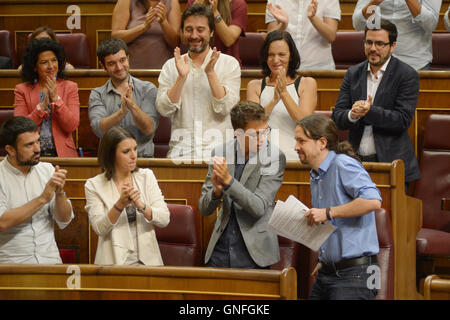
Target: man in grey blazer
[[245, 174]]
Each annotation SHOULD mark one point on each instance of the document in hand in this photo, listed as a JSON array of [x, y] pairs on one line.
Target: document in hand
[[288, 220]]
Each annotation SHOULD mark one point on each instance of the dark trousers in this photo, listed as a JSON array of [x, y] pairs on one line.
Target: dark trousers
[[351, 283]]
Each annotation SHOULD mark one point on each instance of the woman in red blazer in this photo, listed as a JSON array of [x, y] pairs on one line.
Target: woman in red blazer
[[48, 99]]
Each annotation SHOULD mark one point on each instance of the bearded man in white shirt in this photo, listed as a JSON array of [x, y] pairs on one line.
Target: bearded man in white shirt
[[31, 197], [198, 89]]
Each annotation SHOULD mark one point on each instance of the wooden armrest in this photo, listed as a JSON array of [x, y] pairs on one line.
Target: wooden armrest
[[445, 204]]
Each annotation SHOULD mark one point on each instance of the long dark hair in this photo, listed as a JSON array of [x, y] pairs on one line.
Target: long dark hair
[[31, 55], [45, 29], [294, 62], [317, 126], [108, 146]]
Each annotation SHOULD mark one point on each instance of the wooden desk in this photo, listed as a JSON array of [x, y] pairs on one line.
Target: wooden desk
[[182, 184], [44, 282]]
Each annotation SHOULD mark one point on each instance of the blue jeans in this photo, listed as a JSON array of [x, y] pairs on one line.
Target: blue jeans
[[346, 284]]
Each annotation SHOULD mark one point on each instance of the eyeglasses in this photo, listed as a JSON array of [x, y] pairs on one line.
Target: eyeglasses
[[378, 44], [260, 134]]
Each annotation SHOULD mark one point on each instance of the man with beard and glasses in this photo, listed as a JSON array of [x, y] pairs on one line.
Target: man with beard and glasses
[[124, 100], [377, 101], [31, 197], [198, 89]]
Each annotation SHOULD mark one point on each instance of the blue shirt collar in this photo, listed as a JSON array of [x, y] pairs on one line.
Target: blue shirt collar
[[324, 165]]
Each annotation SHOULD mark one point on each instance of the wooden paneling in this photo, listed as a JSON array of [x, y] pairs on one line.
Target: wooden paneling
[[21, 282], [434, 96], [183, 183]]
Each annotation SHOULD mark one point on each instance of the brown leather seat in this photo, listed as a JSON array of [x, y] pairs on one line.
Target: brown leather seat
[[179, 241], [249, 47], [386, 254], [434, 237], [76, 46], [441, 49], [7, 46], [5, 114], [162, 137], [289, 253], [348, 49]]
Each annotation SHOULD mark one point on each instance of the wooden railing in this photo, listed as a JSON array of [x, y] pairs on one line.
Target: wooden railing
[[58, 282]]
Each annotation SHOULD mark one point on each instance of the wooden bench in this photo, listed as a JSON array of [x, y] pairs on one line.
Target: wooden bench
[[48, 282], [437, 288]]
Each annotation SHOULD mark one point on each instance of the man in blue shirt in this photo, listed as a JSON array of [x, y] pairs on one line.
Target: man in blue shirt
[[123, 100], [343, 193]]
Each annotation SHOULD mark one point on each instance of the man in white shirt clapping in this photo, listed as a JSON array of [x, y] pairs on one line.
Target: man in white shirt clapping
[[198, 89], [31, 197]]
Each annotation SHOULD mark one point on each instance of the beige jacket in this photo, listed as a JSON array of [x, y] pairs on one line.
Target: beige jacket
[[115, 239]]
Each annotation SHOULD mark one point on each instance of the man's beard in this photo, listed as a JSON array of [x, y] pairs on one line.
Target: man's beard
[[198, 49], [29, 162]]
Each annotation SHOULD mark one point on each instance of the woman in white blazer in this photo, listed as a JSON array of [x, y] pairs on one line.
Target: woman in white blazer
[[124, 204]]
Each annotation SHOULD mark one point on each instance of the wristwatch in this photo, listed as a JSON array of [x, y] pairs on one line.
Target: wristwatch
[[217, 18], [143, 209]]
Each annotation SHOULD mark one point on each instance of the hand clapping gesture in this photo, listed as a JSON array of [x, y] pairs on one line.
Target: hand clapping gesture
[[360, 108], [280, 86], [150, 17], [278, 13], [135, 196], [50, 85], [220, 170], [161, 12], [181, 64], [213, 5], [51, 94], [125, 199], [212, 62], [55, 184], [312, 9], [128, 102]]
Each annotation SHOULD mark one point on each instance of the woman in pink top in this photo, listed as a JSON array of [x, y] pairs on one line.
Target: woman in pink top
[[150, 28], [230, 18], [47, 99]]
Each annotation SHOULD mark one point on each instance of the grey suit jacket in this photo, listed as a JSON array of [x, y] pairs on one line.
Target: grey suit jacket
[[253, 198]]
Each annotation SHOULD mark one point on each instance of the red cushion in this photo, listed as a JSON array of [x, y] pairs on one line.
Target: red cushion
[[433, 242]]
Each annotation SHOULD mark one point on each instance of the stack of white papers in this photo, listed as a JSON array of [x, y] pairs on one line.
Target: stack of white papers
[[289, 221]]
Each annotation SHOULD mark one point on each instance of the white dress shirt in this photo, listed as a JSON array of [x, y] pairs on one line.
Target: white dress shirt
[[199, 120], [367, 144], [414, 34], [315, 51], [32, 242]]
